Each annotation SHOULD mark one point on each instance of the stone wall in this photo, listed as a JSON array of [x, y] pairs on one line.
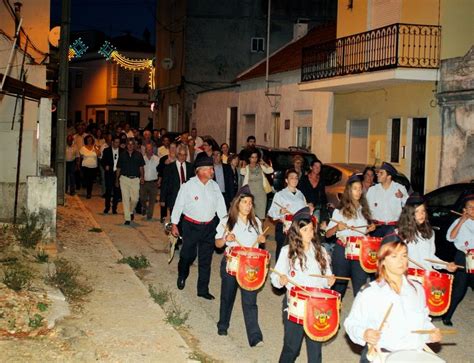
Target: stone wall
[[456, 99]]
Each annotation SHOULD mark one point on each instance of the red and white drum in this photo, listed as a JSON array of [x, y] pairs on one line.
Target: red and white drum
[[352, 250], [437, 286], [316, 309], [470, 261], [363, 249], [249, 266]]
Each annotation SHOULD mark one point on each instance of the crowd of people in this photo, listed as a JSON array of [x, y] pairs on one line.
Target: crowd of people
[[218, 199]]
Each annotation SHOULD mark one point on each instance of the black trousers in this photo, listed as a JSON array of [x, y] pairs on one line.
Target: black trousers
[[112, 193], [347, 268], [198, 241], [89, 177], [382, 230], [280, 239], [70, 176], [229, 288], [460, 284], [294, 334]]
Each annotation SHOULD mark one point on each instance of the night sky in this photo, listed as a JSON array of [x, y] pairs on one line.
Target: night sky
[[113, 17]]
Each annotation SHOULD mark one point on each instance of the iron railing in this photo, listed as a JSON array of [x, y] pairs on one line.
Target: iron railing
[[396, 45]]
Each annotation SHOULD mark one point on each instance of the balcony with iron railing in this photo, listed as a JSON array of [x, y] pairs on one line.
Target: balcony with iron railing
[[407, 46]]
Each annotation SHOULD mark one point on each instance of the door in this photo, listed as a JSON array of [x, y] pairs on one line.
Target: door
[[233, 130], [100, 116], [276, 129], [418, 154], [358, 134]]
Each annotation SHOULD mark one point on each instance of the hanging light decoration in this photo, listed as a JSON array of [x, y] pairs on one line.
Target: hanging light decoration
[[110, 53], [77, 49]]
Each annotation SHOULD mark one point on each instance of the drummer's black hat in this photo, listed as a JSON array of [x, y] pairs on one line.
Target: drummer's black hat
[[356, 177], [203, 160], [467, 198], [415, 199], [303, 213], [390, 238], [245, 190], [389, 168]]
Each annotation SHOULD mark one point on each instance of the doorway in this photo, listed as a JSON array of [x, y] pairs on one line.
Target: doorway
[[418, 154], [233, 130], [357, 131]]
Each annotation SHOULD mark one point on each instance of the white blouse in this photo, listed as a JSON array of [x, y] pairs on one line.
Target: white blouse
[[353, 222], [409, 312], [89, 157], [422, 248], [244, 232], [301, 276]]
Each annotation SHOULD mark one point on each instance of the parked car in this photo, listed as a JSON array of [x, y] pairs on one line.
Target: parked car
[[440, 202], [335, 176], [281, 159]]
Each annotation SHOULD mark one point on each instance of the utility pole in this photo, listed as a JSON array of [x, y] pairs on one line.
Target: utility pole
[[61, 125]]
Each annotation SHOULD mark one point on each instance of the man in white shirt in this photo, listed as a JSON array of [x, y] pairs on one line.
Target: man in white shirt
[[199, 200], [149, 189], [386, 200], [461, 233], [197, 139]]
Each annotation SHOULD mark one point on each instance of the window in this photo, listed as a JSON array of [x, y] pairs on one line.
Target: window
[[395, 143], [257, 45], [173, 114], [129, 117], [303, 137], [78, 79]]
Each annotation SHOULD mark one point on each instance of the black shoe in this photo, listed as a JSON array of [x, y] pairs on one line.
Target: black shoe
[[207, 296], [114, 211], [181, 283], [106, 211], [127, 223], [162, 220], [222, 332], [447, 322], [88, 196], [132, 216]]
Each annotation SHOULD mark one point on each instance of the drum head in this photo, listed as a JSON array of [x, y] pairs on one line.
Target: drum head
[[404, 356]]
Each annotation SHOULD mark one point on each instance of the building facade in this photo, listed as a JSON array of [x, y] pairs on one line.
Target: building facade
[[102, 90], [383, 70], [204, 45], [25, 104]]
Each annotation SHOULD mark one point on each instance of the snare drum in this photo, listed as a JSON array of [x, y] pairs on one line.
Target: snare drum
[[437, 286], [233, 254], [403, 356], [352, 250], [470, 261], [317, 309]]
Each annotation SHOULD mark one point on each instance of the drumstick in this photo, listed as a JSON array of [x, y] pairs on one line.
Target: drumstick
[[439, 262], [329, 276], [264, 231], [416, 263], [372, 347], [235, 238], [454, 212], [348, 227], [431, 331], [281, 207], [289, 280]]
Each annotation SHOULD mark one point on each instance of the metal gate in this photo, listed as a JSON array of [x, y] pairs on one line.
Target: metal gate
[[418, 155]]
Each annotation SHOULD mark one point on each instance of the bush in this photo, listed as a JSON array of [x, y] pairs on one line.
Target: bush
[[66, 278], [17, 277], [41, 257], [136, 262], [30, 231], [161, 297], [175, 315]]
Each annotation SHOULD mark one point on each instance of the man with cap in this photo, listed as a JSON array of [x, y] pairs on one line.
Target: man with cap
[[461, 233], [199, 200], [386, 200]]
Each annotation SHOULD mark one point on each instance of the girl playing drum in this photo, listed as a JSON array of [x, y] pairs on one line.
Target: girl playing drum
[[350, 220], [239, 227], [400, 306], [285, 203], [415, 229], [302, 257]]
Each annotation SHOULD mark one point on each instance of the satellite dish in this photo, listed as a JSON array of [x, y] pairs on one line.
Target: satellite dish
[[167, 63], [53, 36]]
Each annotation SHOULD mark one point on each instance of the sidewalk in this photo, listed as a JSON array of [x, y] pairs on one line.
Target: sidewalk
[[118, 323]]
